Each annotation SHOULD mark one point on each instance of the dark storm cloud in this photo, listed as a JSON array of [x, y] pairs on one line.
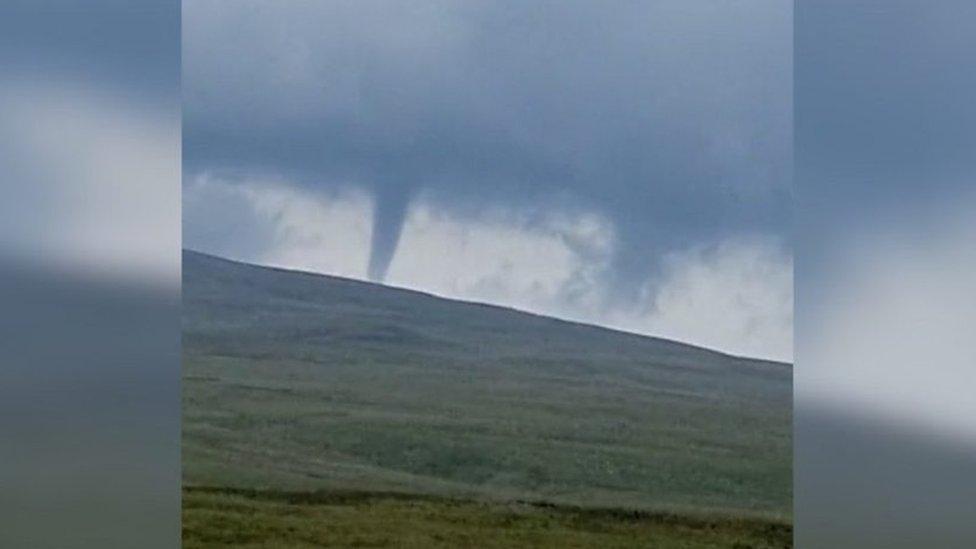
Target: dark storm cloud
[[673, 119]]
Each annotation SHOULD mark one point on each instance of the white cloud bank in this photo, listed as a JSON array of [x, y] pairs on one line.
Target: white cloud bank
[[735, 296]]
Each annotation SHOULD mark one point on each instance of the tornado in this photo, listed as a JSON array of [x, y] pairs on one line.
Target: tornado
[[389, 213]]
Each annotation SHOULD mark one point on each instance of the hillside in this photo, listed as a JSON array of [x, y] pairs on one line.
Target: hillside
[[302, 382]]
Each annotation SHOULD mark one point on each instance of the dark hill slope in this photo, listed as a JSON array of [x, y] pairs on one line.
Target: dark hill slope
[[301, 381]]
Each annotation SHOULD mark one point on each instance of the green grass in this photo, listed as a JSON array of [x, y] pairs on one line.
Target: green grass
[[252, 519], [299, 426], [303, 383]]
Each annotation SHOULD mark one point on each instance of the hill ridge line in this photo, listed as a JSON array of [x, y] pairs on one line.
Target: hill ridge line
[[471, 303]]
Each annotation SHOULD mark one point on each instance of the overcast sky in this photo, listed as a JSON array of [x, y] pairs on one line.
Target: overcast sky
[[622, 163]]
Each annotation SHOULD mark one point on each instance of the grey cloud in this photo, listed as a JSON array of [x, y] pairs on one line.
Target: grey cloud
[[673, 119], [221, 217]]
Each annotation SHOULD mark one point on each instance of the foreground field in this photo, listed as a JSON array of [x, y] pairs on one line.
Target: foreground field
[[238, 518], [308, 384], [300, 382]]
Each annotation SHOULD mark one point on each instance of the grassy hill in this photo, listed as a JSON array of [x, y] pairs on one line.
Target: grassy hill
[[244, 518], [296, 382]]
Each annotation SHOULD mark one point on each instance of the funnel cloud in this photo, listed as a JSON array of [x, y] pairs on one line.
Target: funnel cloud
[[389, 213]]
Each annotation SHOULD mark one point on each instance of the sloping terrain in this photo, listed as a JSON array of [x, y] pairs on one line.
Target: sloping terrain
[[300, 382]]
